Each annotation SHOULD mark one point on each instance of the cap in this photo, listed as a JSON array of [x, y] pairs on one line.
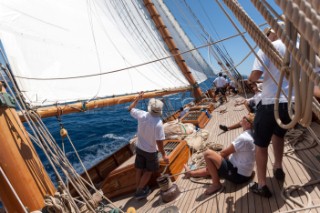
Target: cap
[[155, 107], [266, 30]]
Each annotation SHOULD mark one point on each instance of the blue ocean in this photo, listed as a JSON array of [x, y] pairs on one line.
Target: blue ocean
[[98, 133]]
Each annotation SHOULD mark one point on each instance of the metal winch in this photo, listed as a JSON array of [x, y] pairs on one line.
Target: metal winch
[[168, 190]]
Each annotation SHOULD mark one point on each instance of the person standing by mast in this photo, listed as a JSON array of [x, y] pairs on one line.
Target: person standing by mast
[[266, 128], [150, 139]]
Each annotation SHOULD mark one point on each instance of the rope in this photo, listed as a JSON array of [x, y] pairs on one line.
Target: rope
[[299, 209], [212, 196], [56, 157], [305, 19], [12, 189], [306, 63], [306, 27], [82, 165], [294, 137]]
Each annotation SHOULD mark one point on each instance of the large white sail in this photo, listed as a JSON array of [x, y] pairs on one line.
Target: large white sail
[[68, 50]]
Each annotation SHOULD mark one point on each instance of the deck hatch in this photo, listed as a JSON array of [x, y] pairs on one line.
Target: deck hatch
[[169, 147]]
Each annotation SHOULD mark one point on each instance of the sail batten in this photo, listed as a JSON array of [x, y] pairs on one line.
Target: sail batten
[[81, 50]]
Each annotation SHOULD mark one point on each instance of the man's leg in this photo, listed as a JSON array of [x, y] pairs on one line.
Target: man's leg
[[213, 160], [195, 173], [224, 93], [261, 161], [138, 178], [146, 175], [234, 126], [278, 146]]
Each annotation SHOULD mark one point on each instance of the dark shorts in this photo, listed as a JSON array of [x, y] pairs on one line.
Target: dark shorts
[[146, 160], [252, 106], [233, 89], [265, 124], [220, 90], [230, 173]]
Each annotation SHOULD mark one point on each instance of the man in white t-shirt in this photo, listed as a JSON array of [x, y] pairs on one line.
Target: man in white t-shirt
[[221, 85], [150, 139], [234, 163], [265, 126]]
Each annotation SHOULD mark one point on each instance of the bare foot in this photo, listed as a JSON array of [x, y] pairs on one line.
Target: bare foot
[[212, 189], [187, 174]]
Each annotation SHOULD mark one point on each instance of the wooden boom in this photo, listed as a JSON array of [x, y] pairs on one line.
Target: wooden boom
[[51, 111]]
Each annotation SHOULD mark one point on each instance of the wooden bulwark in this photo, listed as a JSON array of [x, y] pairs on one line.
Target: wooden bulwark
[[122, 179], [101, 170]]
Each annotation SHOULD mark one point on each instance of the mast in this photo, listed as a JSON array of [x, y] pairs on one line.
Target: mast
[[20, 164], [173, 48]]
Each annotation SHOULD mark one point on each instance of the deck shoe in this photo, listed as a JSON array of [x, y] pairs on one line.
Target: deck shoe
[[142, 194], [223, 127], [263, 191], [279, 174]]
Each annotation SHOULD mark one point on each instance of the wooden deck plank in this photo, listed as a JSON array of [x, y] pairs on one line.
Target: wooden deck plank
[[237, 198]]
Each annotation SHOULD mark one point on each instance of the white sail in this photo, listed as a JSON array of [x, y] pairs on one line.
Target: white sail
[[68, 50], [200, 68]]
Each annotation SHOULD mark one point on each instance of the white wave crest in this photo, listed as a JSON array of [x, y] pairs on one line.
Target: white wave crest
[[115, 137]]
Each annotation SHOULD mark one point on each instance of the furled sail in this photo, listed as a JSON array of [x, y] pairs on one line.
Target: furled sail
[[68, 50]]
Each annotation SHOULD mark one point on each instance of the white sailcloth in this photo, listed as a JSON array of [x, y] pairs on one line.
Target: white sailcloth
[[199, 67], [68, 50]]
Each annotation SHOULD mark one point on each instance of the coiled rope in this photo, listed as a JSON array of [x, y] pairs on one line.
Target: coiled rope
[[294, 137]]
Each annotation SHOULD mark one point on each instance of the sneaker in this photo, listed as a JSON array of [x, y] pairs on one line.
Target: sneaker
[[263, 191], [279, 174], [143, 193], [223, 127]]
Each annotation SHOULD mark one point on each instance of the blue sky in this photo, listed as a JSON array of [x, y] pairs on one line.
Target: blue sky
[[218, 26]]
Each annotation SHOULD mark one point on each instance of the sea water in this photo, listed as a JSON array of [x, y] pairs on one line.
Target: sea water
[[98, 133]]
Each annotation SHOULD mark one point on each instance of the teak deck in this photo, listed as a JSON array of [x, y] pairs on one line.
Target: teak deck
[[237, 198]]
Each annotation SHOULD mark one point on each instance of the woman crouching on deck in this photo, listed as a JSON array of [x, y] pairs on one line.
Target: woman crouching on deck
[[234, 163]]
